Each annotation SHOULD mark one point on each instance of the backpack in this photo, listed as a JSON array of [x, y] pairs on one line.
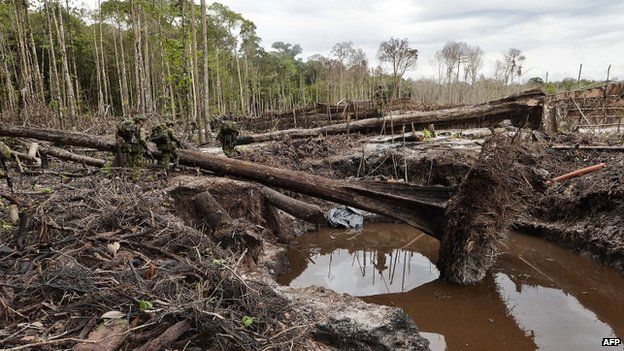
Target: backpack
[[125, 129], [159, 135]]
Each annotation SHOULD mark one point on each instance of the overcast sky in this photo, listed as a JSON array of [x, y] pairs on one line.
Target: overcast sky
[[555, 35]]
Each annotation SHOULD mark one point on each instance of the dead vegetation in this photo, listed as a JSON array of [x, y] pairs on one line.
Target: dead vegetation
[[108, 247], [96, 261]]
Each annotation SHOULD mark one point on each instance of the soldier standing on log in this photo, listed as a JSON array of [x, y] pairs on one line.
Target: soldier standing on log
[[132, 144], [382, 98], [167, 143], [228, 132]]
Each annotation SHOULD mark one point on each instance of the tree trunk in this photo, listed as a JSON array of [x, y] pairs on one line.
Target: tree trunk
[[408, 206], [9, 102], [71, 97], [206, 86], [138, 61], [65, 155], [35, 60], [125, 96], [307, 212], [522, 109], [195, 76], [98, 71], [107, 92], [55, 80]]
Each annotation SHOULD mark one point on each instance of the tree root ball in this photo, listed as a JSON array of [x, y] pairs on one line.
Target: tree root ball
[[478, 215]]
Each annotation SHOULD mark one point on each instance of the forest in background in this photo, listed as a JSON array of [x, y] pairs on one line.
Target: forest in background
[[68, 67]]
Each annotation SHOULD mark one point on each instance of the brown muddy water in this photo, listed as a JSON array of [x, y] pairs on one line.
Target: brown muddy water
[[538, 296]]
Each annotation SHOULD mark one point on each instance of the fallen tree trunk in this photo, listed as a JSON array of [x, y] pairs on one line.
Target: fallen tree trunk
[[469, 228], [69, 156], [525, 108], [213, 214], [307, 212], [409, 209]]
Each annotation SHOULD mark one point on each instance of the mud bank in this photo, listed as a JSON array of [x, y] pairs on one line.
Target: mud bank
[[334, 320], [584, 214]]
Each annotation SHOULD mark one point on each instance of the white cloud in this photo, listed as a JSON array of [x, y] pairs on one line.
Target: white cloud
[[555, 35]]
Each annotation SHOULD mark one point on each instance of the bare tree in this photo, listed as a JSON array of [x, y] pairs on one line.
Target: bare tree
[[358, 66], [513, 64], [474, 63], [454, 54], [342, 51], [401, 56]]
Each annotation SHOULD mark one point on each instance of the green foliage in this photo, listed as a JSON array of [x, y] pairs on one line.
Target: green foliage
[[5, 225], [145, 305], [247, 321], [219, 262], [43, 191], [427, 133], [107, 170]]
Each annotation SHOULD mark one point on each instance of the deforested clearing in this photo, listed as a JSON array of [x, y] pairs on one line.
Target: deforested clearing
[[170, 181]]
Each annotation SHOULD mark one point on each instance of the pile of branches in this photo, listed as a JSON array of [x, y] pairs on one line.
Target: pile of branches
[[300, 154], [106, 264]]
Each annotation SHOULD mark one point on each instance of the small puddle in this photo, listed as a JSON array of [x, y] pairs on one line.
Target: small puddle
[[538, 296]]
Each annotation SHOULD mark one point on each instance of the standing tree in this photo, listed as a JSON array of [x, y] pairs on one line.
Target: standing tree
[[401, 56], [474, 63], [342, 51], [206, 87], [453, 55], [513, 64]]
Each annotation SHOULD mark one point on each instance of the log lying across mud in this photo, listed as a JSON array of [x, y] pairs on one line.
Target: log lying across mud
[[524, 109], [422, 213], [468, 234]]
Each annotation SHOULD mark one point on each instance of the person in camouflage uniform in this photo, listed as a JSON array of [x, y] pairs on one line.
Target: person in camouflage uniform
[[167, 143], [382, 98], [5, 155], [228, 132], [132, 143]]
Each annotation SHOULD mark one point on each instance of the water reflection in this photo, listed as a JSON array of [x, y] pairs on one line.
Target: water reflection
[[555, 320], [365, 273], [538, 297]]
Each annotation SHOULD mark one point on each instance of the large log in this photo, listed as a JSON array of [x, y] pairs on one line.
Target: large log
[[69, 156], [420, 213], [307, 212], [469, 228], [524, 108]]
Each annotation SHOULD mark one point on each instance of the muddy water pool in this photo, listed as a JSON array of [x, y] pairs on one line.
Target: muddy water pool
[[538, 295]]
